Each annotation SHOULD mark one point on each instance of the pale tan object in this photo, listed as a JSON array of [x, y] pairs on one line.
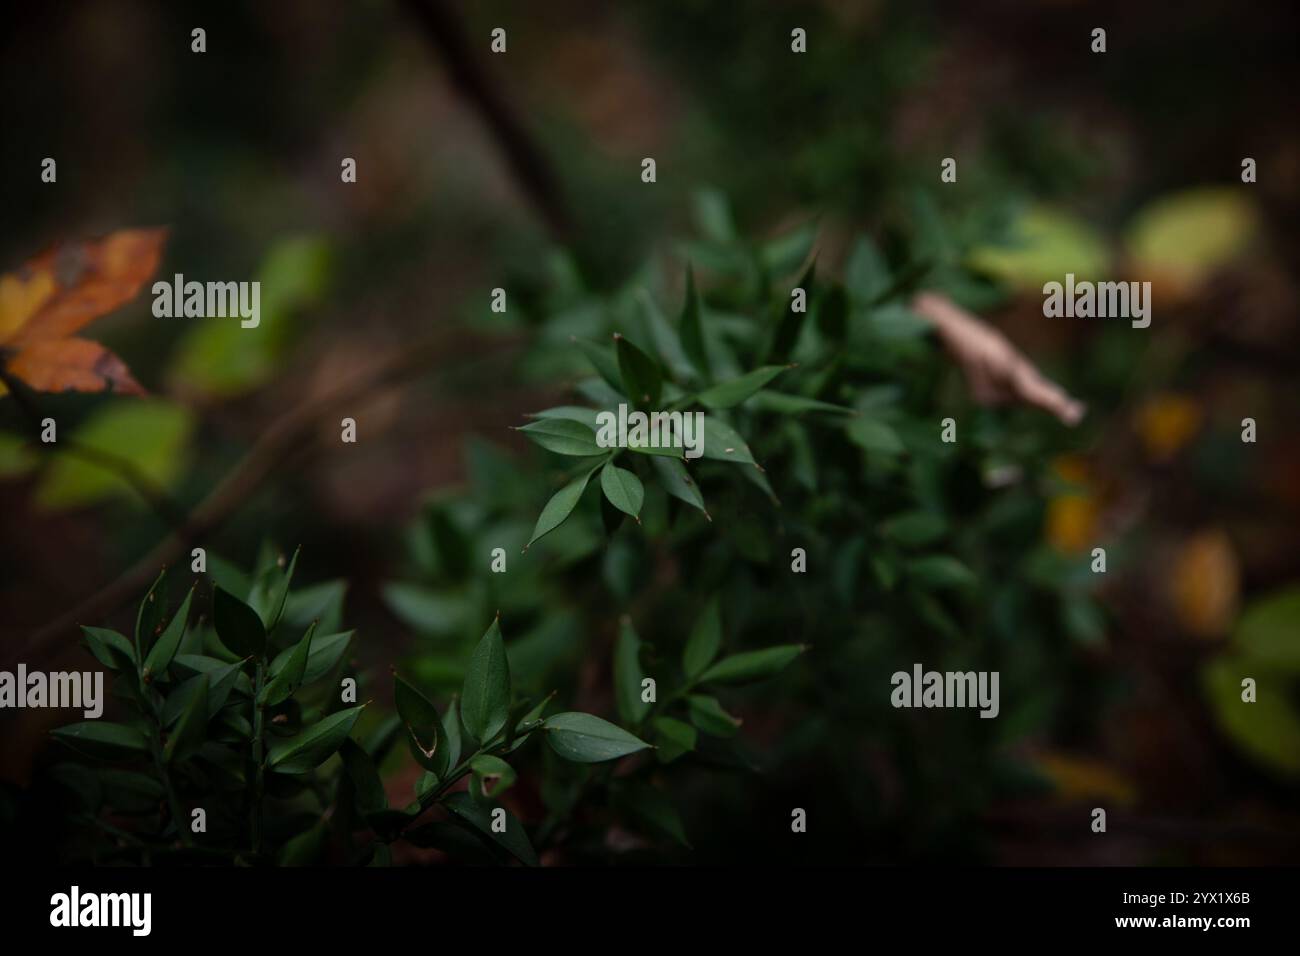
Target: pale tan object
[[995, 370]]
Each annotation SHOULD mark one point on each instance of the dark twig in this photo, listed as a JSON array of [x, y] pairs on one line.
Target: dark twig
[[285, 436], [443, 28]]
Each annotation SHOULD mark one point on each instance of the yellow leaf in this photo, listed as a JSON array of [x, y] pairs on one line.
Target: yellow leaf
[[1078, 778], [1179, 241], [1166, 423], [1204, 584], [20, 299]]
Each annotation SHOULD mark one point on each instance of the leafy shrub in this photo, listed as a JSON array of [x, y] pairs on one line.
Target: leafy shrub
[[241, 721], [824, 434]]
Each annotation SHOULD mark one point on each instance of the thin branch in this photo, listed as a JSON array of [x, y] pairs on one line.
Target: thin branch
[[442, 27], [280, 440]]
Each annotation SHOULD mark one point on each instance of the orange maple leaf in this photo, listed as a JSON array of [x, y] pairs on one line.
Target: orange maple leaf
[[59, 292]]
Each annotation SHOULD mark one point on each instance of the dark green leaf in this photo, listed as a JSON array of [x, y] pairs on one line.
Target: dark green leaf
[[189, 734], [423, 725], [722, 443], [752, 665], [316, 744], [149, 618], [628, 674], [366, 783], [678, 482], [653, 810], [560, 506], [99, 738], [603, 360], [732, 392], [514, 840], [237, 625], [941, 571], [706, 638], [289, 677], [161, 654], [915, 528], [787, 330], [643, 380], [707, 714], [280, 593], [110, 648], [692, 327], [875, 436], [451, 732], [623, 489], [485, 698], [584, 738], [492, 776], [564, 437]]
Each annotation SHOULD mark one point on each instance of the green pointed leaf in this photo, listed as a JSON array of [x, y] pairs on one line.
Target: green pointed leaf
[[560, 506], [564, 437], [603, 361], [666, 340], [366, 783], [678, 482], [623, 489], [161, 654], [707, 714], [191, 729], [492, 776], [314, 745], [865, 274], [941, 571], [423, 726], [485, 698], [451, 732], [289, 677], [915, 528], [732, 392], [584, 738], [787, 330], [673, 737], [706, 638], [628, 675], [643, 381], [692, 328], [150, 615], [280, 593], [102, 739], [514, 840], [722, 443], [875, 436], [752, 665], [574, 413], [326, 651], [237, 625], [652, 809], [110, 648], [529, 722], [782, 403]]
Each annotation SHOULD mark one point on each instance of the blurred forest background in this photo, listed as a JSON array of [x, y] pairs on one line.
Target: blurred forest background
[[1124, 164]]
